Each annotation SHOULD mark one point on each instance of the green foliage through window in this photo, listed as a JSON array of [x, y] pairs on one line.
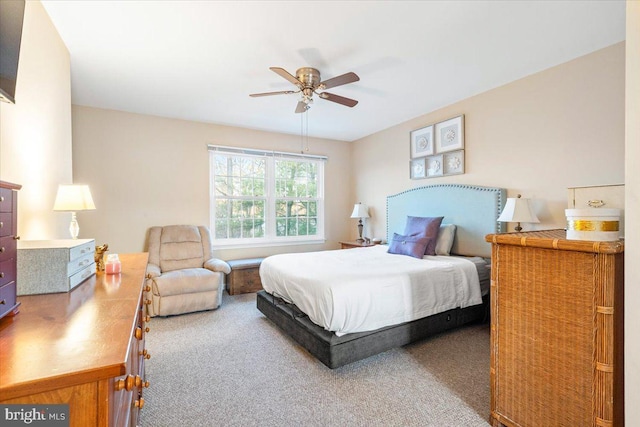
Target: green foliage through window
[[242, 206]]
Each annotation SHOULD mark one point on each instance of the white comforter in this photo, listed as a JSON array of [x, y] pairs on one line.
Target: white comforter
[[363, 289]]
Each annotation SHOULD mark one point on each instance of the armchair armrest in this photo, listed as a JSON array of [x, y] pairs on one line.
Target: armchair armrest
[[215, 264], [153, 271]]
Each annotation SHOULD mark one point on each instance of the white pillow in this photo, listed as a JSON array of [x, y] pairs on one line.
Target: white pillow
[[444, 242]]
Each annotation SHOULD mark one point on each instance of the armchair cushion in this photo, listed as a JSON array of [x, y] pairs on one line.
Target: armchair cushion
[[215, 264], [181, 247], [153, 271], [186, 281]]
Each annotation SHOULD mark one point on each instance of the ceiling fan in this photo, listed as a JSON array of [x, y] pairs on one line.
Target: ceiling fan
[[308, 82]]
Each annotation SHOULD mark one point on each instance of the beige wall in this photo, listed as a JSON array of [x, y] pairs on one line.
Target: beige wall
[[632, 208], [536, 136], [35, 132], [146, 170]]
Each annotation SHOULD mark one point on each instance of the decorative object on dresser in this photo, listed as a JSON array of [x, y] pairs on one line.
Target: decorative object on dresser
[[73, 198], [360, 211], [518, 210], [438, 149], [100, 255], [49, 266], [9, 305], [598, 196], [557, 328], [85, 348], [182, 275], [244, 276]]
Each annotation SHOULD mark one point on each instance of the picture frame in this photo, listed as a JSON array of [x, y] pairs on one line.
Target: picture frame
[[453, 162], [422, 142], [417, 168], [449, 135], [434, 166]]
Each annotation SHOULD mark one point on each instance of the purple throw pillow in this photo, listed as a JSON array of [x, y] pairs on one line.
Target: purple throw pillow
[[413, 245], [429, 226]]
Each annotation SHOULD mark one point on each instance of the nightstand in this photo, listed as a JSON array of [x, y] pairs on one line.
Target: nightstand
[[355, 244]]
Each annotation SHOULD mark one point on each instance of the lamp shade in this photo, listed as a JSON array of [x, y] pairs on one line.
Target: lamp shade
[[360, 211], [518, 210], [73, 198]]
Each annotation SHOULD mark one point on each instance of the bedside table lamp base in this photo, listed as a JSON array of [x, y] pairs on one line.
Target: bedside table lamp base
[[360, 226]]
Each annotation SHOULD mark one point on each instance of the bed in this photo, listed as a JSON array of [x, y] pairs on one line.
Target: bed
[[321, 313]]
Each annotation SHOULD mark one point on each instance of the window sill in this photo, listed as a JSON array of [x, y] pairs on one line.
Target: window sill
[[219, 245]]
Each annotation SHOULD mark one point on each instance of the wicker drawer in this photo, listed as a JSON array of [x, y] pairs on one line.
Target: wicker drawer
[[244, 276]]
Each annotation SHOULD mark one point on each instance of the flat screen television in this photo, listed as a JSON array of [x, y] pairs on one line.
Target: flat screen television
[[11, 18]]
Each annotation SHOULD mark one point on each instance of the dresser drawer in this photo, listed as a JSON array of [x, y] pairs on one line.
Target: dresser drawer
[[7, 271], [7, 298], [6, 200], [7, 248], [80, 263], [6, 223], [82, 275], [82, 250]]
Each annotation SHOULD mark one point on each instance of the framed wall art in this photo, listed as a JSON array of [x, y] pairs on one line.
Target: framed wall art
[[449, 135], [417, 168], [422, 142], [434, 166], [453, 162]]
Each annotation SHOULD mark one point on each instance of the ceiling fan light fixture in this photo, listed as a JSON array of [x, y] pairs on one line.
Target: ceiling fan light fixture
[[308, 81]]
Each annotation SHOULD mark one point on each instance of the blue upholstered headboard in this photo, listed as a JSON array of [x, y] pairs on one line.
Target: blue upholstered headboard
[[473, 209]]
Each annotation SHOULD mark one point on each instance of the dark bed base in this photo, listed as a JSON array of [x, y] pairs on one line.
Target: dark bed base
[[336, 351]]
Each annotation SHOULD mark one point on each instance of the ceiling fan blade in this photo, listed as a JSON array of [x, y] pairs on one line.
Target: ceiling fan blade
[[282, 92], [301, 107], [340, 80], [339, 99], [284, 73]]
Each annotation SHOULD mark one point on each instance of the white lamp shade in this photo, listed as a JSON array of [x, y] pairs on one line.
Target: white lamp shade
[[73, 198], [518, 210], [360, 211]]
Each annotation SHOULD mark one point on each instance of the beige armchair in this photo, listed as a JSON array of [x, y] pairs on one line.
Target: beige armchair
[[182, 276]]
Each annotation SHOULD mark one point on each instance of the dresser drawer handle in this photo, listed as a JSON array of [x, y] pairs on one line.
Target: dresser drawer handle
[[16, 237], [1, 199], [3, 302], [1, 249], [1, 274], [1, 224], [125, 384], [140, 383]]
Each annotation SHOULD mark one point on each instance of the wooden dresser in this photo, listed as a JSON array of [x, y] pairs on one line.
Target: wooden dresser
[[84, 348], [556, 331], [8, 238]]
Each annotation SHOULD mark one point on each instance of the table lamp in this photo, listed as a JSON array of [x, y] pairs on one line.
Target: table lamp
[[518, 210], [360, 211], [73, 198]]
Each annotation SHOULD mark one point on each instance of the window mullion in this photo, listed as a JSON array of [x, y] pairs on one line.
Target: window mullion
[[270, 185]]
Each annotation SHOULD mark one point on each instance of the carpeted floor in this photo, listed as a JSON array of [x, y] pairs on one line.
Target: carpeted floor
[[233, 367]]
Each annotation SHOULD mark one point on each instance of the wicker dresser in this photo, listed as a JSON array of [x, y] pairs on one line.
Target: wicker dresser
[[556, 331]]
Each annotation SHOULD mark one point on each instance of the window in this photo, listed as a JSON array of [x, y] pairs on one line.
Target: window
[[261, 197]]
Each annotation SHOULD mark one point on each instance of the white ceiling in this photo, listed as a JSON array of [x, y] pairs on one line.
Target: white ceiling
[[199, 60]]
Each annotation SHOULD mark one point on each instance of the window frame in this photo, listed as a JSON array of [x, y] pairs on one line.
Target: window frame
[[270, 239]]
